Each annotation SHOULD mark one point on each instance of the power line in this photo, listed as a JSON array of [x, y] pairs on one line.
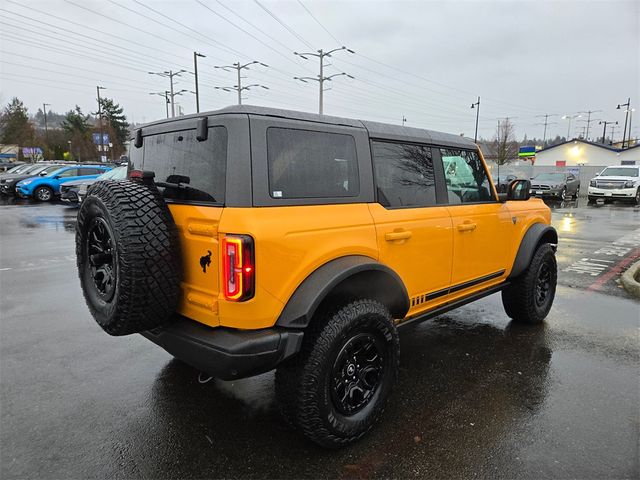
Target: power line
[[318, 22], [289, 29]]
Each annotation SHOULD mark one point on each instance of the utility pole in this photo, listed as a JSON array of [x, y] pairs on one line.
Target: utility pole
[[404, 119], [477, 107], [101, 145], [321, 78], [546, 122], [588, 120], [239, 88], [613, 132], [46, 129], [626, 115], [170, 74], [604, 130], [195, 71], [165, 95]]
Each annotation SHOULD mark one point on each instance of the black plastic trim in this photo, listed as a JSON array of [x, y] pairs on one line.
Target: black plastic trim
[[528, 246], [226, 353], [304, 302], [453, 305]]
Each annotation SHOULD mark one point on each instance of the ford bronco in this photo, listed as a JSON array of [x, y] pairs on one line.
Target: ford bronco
[[248, 239]]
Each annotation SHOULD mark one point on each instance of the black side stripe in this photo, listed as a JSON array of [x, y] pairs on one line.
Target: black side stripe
[[462, 286], [471, 283]]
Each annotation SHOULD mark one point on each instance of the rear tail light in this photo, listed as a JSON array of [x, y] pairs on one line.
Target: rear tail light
[[238, 267]]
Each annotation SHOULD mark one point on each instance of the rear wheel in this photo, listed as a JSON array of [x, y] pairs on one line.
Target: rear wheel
[[577, 194], [43, 194], [336, 389], [563, 193], [529, 297]]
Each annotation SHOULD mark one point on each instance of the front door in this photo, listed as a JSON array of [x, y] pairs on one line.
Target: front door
[[481, 224], [414, 233]]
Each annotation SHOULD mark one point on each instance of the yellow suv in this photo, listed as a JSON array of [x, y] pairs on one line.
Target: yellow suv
[[248, 239]]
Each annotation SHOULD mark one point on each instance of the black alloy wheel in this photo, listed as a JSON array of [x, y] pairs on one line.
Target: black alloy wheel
[[102, 256], [357, 372], [543, 285]]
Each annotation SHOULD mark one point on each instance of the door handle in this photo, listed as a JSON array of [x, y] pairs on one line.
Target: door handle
[[467, 227], [395, 236]]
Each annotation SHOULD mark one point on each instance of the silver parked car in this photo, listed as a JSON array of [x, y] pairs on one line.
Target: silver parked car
[[558, 185]]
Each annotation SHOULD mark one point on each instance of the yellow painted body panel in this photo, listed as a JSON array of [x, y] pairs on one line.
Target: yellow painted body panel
[[198, 230], [431, 249], [423, 260], [292, 242]]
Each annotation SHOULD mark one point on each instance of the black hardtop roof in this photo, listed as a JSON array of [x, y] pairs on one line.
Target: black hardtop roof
[[376, 129]]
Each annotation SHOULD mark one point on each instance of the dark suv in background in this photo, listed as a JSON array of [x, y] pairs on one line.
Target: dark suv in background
[[559, 185]]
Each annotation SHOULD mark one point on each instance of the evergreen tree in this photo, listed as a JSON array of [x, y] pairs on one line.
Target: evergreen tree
[[15, 127], [116, 124], [76, 125]]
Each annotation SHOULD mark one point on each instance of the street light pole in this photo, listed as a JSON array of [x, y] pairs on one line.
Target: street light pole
[[604, 130], [477, 107], [321, 78], [46, 130], [570, 117], [101, 144], [626, 116], [164, 95], [195, 71]]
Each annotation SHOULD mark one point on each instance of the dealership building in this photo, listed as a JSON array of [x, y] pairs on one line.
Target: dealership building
[[579, 152]]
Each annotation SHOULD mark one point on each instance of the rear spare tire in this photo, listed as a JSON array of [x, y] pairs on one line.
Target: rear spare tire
[[128, 257]]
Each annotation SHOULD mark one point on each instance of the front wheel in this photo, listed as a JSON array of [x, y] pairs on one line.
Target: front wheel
[[529, 297], [637, 199], [336, 389], [563, 194], [43, 194]]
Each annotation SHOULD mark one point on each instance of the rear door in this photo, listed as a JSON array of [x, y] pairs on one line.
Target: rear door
[[191, 175], [414, 232]]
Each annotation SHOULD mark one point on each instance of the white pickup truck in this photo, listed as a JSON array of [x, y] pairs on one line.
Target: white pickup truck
[[620, 183]]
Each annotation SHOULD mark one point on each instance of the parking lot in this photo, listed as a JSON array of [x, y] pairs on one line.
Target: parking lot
[[477, 396]]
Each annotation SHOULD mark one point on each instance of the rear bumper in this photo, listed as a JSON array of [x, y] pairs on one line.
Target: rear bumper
[[69, 196], [227, 353]]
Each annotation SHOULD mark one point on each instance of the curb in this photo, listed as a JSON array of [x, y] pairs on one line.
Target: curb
[[629, 282]]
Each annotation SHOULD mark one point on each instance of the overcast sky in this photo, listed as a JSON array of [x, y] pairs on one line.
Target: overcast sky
[[426, 61]]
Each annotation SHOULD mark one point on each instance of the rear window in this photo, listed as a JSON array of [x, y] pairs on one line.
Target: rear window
[[308, 164], [186, 169]]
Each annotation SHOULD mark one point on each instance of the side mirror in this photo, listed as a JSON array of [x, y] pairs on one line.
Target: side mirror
[[519, 189], [57, 177]]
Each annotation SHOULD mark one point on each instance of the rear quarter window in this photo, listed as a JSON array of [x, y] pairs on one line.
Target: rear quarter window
[[311, 164], [190, 170]]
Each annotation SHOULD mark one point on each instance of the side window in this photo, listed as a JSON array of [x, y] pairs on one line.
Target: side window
[[467, 180], [404, 174], [72, 172], [90, 171], [186, 169], [308, 164]]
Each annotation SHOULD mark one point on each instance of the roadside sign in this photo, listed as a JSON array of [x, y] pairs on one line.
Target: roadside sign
[[105, 139]]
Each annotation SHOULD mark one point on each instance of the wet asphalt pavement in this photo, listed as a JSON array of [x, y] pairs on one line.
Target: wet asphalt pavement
[[477, 396]]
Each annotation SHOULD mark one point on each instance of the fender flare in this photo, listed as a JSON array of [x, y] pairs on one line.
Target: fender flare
[[304, 302], [537, 233]]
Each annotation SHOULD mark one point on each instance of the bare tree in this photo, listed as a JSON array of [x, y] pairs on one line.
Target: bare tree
[[504, 147]]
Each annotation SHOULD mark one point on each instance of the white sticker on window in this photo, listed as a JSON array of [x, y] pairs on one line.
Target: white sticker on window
[[277, 194]]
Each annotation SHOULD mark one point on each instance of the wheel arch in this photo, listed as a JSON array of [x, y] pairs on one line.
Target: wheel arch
[[537, 234], [345, 277]]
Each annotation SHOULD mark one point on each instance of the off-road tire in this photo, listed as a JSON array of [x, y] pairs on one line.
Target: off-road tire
[[145, 257], [519, 298], [43, 194], [303, 383]]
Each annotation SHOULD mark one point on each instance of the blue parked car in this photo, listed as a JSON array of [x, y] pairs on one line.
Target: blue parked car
[[47, 187]]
